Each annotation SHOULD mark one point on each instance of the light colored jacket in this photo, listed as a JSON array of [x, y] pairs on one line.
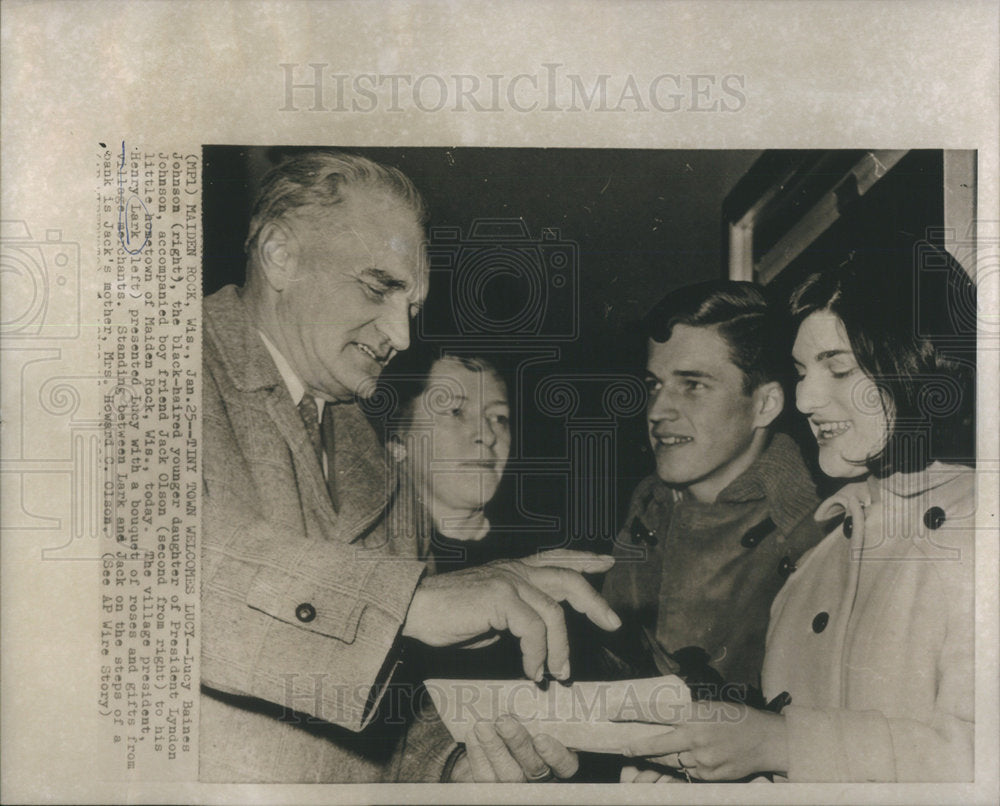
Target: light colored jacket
[[301, 604], [872, 635]]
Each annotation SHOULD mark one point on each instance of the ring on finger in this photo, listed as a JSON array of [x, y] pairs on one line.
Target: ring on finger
[[542, 777]]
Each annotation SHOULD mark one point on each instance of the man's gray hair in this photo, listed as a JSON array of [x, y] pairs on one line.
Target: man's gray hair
[[320, 179]]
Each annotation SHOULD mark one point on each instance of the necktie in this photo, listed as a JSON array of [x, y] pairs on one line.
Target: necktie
[[321, 437], [329, 446], [307, 410]]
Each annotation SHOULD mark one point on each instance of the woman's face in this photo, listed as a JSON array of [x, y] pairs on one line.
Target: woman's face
[[465, 414], [843, 404]]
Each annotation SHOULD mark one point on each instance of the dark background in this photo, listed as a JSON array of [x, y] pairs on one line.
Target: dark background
[[642, 222], [571, 248]]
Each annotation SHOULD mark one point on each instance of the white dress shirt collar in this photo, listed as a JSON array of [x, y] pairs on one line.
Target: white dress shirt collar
[[292, 381]]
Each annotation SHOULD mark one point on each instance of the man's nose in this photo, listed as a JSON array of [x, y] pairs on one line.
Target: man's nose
[[394, 324], [662, 407]]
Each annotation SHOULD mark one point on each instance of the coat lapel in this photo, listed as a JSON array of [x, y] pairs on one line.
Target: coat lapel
[[365, 480], [309, 474]]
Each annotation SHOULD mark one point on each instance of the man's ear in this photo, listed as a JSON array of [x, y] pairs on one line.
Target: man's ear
[[768, 403], [277, 250]]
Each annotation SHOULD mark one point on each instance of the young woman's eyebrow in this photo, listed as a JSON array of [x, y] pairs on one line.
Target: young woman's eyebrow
[[831, 354]]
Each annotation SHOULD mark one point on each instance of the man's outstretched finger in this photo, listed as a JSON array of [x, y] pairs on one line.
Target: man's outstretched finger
[[556, 638], [568, 586], [563, 762], [525, 623], [584, 562]]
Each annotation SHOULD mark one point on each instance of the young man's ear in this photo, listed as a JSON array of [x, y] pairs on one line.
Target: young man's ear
[[276, 252], [768, 403]]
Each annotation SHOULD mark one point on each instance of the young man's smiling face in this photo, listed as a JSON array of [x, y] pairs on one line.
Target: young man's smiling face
[[701, 420], [358, 276]]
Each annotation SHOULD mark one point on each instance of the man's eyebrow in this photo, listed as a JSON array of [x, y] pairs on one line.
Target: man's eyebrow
[[385, 279], [692, 373]]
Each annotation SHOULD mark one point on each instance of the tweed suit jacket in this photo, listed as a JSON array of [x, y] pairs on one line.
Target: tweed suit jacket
[[301, 604]]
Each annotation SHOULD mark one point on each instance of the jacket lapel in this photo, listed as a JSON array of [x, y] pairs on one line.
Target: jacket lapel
[[309, 474], [365, 481]]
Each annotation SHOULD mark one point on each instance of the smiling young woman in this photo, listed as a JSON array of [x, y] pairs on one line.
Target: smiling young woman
[[871, 638]]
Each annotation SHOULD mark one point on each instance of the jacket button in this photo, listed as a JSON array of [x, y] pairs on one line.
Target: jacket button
[[757, 533], [786, 566], [848, 527], [934, 517], [640, 534], [820, 622], [305, 612]]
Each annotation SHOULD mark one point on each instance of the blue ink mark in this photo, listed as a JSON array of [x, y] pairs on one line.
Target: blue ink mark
[[125, 208]]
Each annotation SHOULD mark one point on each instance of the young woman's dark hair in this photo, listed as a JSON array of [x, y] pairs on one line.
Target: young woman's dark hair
[[909, 311]]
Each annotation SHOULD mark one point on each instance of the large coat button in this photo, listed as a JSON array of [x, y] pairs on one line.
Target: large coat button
[[305, 612], [848, 526], [757, 533], [934, 517], [640, 534], [820, 622], [786, 566]]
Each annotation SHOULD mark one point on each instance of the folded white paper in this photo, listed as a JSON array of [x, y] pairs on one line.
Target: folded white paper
[[579, 715]]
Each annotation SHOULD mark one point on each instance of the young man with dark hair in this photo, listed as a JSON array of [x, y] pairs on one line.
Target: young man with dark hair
[[711, 536]]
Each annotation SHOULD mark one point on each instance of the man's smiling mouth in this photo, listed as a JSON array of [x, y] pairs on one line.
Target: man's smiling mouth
[[382, 360], [673, 439]]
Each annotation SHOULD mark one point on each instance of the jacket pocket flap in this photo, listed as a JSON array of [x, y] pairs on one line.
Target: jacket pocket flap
[[330, 610]]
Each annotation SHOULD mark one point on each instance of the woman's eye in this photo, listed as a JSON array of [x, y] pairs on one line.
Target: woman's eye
[[840, 374], [377, 293], [652, 386], [695, 386]]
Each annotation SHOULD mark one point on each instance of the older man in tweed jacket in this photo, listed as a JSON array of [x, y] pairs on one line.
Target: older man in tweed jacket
[[303, 595]]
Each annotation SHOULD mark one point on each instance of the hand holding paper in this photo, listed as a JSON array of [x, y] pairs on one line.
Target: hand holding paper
[[716, 741], [602, 717], [504, 751]]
